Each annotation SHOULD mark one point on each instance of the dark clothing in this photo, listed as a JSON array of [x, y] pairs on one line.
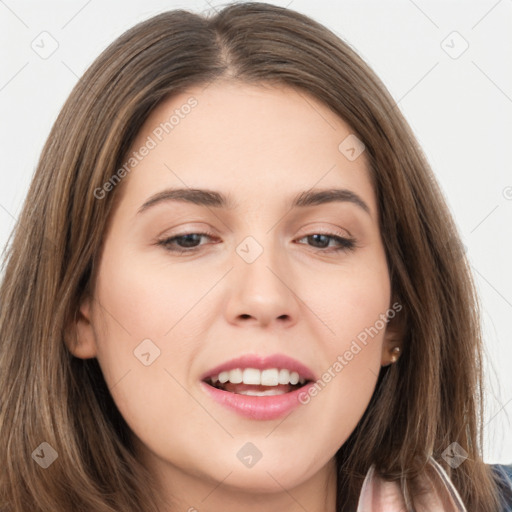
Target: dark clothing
[[504, 477]]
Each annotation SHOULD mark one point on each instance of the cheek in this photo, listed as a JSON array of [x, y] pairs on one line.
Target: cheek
[[147, 332], [144, 368], [351, 304], [348, 301], [151, 300]]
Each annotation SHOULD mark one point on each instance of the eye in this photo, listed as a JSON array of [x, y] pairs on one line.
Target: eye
[[186, 242], [189, 242], [321, 239]]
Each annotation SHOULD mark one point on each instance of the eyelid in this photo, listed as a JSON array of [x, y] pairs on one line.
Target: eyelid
[[311, 229]]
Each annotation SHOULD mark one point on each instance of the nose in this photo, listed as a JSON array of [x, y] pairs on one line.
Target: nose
[[262, 292]]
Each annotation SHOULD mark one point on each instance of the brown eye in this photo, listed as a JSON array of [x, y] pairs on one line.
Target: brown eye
[[321, 241], [187, 242]]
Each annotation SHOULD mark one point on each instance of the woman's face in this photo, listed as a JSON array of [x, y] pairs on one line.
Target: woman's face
[[269, 278]]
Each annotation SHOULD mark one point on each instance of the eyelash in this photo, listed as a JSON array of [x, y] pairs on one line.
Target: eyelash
[[346, 244]]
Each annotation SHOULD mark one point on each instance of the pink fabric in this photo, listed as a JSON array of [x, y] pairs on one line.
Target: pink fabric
[[379, 495]]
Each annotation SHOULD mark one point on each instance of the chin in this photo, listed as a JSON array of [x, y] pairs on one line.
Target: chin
[[265, 480]]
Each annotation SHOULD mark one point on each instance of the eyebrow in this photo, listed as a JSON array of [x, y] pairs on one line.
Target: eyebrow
[[211, 198]]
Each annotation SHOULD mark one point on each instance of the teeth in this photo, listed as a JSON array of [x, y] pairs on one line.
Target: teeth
[[268, 377], [284, 377], [235, 376], [251, 376], [223, 377], [269, 392]]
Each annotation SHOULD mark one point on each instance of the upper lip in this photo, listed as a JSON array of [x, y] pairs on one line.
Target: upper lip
[[260, 362]]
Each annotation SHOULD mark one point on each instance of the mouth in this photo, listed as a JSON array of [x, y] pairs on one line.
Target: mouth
[[255, 382], [259, 387]]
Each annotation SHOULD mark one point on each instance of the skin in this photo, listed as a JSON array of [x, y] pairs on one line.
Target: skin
[[261, 145]]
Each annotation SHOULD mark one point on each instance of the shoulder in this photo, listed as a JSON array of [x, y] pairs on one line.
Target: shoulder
[[503, 474]]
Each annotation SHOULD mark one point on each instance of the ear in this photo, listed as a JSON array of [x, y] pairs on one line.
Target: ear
[[394, 336], [80, 337]]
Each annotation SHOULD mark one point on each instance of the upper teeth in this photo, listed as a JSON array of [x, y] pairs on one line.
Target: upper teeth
[[269, 377]]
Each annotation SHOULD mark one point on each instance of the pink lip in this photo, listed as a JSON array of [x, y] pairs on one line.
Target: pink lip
[[258, 407], [278, 361]]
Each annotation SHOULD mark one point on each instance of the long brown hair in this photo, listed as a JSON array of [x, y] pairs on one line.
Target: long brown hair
[[431, 398]]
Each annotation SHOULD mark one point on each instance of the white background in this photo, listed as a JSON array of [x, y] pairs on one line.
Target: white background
[[460, 109]]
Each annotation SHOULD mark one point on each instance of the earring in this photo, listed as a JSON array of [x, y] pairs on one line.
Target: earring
[[394, 357]]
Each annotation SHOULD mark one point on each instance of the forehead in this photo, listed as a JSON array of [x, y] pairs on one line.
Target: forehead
[[259, 140]]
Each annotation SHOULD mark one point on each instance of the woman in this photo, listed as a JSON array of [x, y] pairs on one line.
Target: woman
[[320, 351]]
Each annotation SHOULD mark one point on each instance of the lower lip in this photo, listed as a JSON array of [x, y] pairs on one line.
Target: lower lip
[[258, 407]]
